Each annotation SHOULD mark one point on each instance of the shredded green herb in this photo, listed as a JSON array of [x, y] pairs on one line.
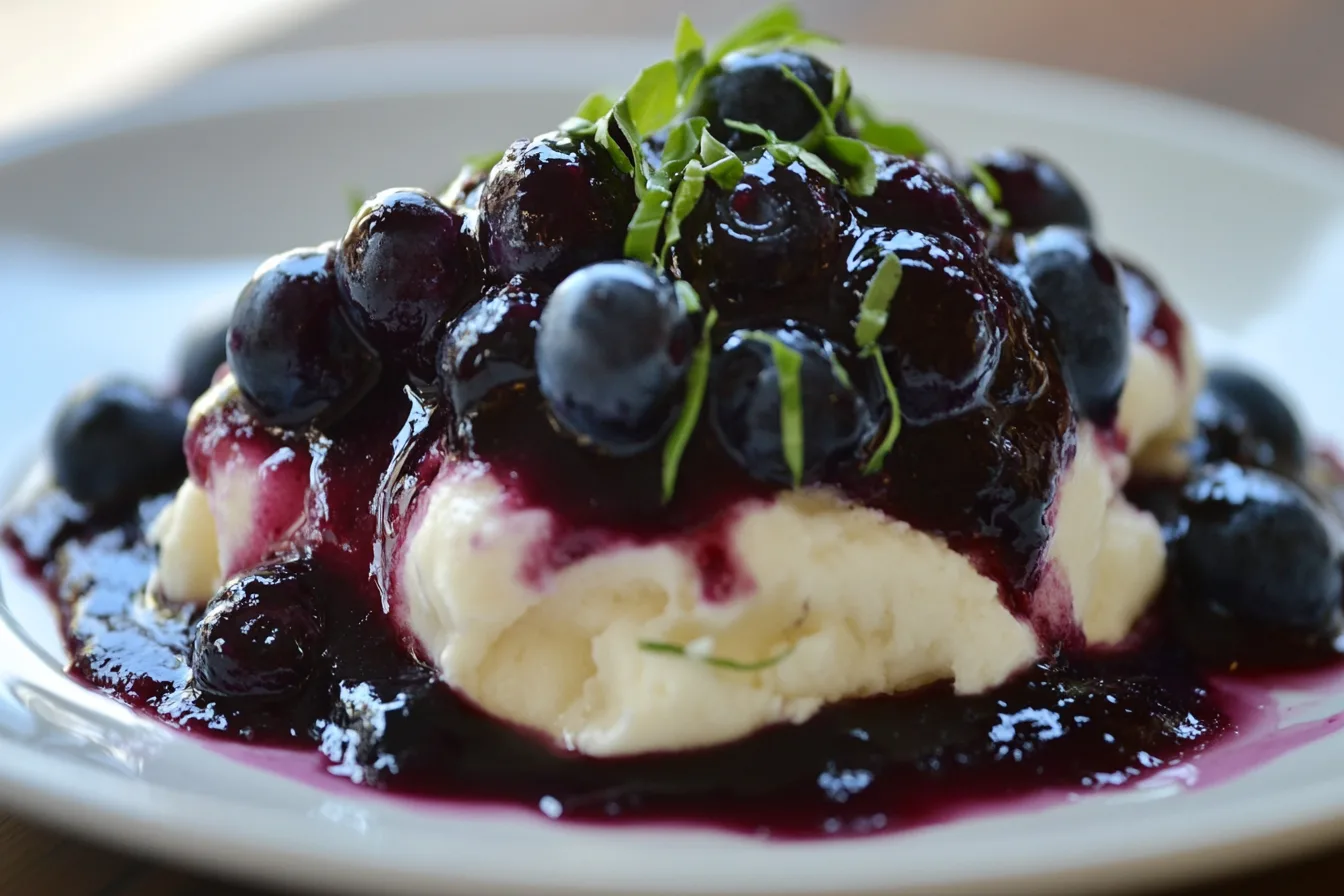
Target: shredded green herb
[[688, 54], [697, 381], [851, 155], [986, 194], [771, 28], [784, 152], [894, 427], [788, 368], [717, 662], [893, 137], [877, 300], [354, 200]]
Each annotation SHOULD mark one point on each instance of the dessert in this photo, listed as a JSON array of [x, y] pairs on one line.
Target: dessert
[[727, 452]]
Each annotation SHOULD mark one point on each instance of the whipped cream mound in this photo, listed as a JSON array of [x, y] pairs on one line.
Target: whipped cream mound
[[844, 600], [834, 600]]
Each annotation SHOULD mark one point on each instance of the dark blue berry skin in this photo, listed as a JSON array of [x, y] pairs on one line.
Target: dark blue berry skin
[[744, 407], [612, 353], [1075, 287], [261, 635], [913, 195], [752, 88], [296, 356], [116, 442], [551, 206], [1036, 191], [407, 266], [771, 245], [491, 346], [1242, 419], [945, 330], [202, 354], [1254, 547]]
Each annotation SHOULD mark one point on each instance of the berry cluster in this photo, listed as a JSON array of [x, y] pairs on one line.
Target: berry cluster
[[762, 284], [1255, 572], [514, 285]]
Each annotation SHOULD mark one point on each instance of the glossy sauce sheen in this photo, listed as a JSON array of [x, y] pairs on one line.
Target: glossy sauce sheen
[[987, 434], [382, 718]]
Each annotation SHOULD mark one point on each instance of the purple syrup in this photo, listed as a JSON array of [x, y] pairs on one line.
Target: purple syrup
[[1152, 317], [381, 717], [376, 713]]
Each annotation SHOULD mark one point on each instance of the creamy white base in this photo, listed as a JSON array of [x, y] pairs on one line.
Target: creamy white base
[[855, 603]]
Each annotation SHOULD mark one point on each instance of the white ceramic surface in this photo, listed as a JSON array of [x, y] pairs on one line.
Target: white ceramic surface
[[116, 232]]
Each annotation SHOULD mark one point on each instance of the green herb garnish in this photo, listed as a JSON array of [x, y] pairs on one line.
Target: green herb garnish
[[688, 54], [689, 297], [877, 300], [893, 137], [717, 662], [690, 155], [692, 184], [697, 381], [894, 428], [482, 162], [784, 152], [986, 194], [788, 369], [989, 181], [721, 163], [771, 28], [652, 99], [641, 240], [852, 155], [874, 311], [354, 200], [641, 237], [584, 120]]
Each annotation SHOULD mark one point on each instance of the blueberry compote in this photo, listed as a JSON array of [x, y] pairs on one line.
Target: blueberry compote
[[795, 308]]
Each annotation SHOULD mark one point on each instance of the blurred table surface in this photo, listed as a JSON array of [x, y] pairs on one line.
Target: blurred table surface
[[1277, 59]]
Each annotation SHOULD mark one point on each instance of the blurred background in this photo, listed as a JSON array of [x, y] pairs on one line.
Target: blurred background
[[1277, 59]]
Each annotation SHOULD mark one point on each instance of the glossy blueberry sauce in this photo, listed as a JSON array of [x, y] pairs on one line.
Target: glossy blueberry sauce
[[987, 435], [1152, 318], [382, 718], [378, 715]]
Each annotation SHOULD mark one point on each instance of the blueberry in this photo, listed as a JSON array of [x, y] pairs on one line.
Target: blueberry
[[551, 206], [1036, 191], [775, 238], [202, 354], [464, 193], [944, 331], [744, 406], [752, 87], [261, 634], [612, 350], [491, 346], [294, 353], [913, 195], [1241, 419], [116, 441], [1254, 547], [407, 266], [1076, 288]]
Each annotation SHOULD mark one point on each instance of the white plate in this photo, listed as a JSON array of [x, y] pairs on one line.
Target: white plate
[[115, 232]]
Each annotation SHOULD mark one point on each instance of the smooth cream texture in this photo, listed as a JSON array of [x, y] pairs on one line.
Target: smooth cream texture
[[188, 543], [847, 591], [206, 535], [851, 602], [1156, 407]]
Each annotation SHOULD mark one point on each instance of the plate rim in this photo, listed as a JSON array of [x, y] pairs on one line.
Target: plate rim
[[136, 814]]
